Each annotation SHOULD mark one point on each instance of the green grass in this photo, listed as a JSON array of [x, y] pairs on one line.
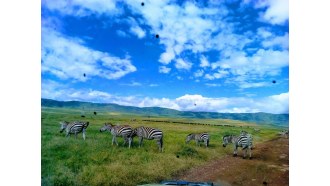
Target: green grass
[[95, 161]]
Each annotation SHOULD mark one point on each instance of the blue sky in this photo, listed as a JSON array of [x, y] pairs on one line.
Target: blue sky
[[219, 56]]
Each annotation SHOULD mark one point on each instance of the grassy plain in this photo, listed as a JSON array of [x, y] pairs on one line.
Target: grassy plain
[[95, 161]]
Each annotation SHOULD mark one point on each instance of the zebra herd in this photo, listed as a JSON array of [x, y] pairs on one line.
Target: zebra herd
[[244, 140]]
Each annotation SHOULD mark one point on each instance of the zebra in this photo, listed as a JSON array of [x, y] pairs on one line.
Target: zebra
[[124, 131], [201, 137], [74, 127], [150, 134], [243, 140]]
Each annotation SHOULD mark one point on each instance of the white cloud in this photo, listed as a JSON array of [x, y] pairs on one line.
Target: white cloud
[[179, 77], [164, 69], [271, 104], [217, 75], [183, 64], [138, 31], [277, 11], [204, 62], [198, 73], [121, 33], [67, 58], [135, 28], [212, 85], [83, 8], [132, 84], [167, 57], [277, 41]]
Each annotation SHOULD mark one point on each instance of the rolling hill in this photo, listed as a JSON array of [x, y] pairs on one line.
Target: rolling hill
[[259, 118]]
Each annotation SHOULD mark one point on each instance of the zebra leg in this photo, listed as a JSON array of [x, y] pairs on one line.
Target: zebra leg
[[125, 140], [129, 142], [116, 141], [197, 144], [113, 139], [75, 135], [160, 144], [250, 153], [235, 151], [67, 134], [84, 136], [245, 151], [140, 141]]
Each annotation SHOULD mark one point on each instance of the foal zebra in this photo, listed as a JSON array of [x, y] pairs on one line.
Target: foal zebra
[[74, 127], [149, 134], [202, 137], [243, 140], [124, 131]]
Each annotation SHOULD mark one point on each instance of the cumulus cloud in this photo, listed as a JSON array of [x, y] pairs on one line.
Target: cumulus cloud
[[135, 29], [67, 58], [204, 62], [183, 64], [277, 11], [164, 69]]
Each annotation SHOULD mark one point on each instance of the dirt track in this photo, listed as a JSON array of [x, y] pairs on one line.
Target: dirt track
[[269, 166]]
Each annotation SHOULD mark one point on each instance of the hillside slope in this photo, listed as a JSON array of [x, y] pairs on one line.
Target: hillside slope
[[259, 118]]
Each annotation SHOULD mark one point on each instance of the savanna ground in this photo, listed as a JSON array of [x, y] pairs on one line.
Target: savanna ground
[[95, 161]]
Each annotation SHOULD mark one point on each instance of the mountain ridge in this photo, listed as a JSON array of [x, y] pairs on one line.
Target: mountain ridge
[[259, 118]]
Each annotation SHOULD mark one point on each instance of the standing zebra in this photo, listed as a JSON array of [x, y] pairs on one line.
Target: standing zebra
[[202, 137], [150, 134], [243, 140], [124, 131], [74, 127]]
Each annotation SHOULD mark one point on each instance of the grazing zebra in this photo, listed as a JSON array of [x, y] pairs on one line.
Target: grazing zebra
[[150, 134], [74, 127], [202, 137], [243, 140], [124, 131]]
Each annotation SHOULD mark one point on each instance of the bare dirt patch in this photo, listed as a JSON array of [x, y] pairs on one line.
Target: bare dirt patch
[[269, 166]]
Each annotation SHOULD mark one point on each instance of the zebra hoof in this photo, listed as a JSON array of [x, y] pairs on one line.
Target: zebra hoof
[[243, 157], [235, 155]]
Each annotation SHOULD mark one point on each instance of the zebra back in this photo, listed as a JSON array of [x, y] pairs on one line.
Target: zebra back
[[76, 126], [148, 132], [199, 137], [117, 130]]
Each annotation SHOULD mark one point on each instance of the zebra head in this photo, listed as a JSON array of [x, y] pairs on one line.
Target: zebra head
[[189, 137], [226, 140], [106, 127], [63, 124]]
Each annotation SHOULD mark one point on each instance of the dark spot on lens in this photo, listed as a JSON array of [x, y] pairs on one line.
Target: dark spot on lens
[[178, 156], [265, 183], [95, 113], [142, 4], [273, 81], [157, 36], [84, 75], [82, 116]]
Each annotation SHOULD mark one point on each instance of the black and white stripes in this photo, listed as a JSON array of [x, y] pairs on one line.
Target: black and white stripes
[[244, 140], [201, 137], [74, 127], [150, 134], [124, 131]]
